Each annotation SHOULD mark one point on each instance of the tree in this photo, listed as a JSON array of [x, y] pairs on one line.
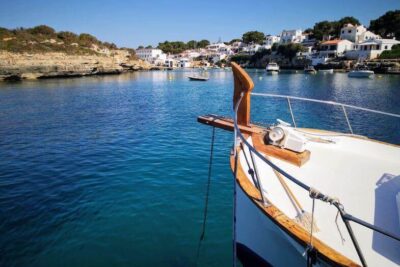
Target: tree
[[274, 47], [290, 50], [346, 20], [172, 47], [149, 46], [324, 28], [253, 37], [234, 41], [332, 28], [203, 43], [192, 44], [140, 47], [387, 25]]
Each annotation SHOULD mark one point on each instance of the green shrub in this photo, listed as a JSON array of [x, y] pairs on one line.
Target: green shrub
[[42, 29]]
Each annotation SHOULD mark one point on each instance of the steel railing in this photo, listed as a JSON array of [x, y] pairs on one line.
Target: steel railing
[[314, 194], [332, 103]]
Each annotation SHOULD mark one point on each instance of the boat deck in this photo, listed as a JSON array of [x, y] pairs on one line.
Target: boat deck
[[363, 174]]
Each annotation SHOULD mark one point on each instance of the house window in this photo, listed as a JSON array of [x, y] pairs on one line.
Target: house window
[[349, 31], [378, 47], [343, 31], [386, 47]]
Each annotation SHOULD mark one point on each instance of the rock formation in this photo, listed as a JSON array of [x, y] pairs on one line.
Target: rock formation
[[18, 66]]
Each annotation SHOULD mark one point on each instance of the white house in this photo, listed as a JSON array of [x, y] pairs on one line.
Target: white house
[[184, 63], [334, 48], [215, 47], [226, 50], [356, 33], [251, 49], [218, 57], [270, 40], [291, 36], [371, 49], [171, 63], [151, 55], [236, 46]]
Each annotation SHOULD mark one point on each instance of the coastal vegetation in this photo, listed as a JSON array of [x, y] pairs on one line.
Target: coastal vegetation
[[388, 25], [253, 37], [391, 54], [177, 47], [44, 39], [330, 28]]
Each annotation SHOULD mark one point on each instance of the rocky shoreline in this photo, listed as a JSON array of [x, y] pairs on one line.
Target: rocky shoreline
[[20, 66]]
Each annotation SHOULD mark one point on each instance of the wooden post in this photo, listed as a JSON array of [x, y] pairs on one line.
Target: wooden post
[[243, 83]]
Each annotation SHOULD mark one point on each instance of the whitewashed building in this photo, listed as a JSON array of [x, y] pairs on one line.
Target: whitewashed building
[[251, 49], [236, 46], [334, 48], [215, 47], [292, 36], [184, 63], [270, 40], [171, 63], [371, 49], [356, 33], [151, 55]]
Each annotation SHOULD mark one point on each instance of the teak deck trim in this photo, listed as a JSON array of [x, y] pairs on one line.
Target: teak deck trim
[[285, 223]]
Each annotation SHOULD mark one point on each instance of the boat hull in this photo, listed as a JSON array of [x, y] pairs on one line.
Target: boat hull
[[259, 241], [361, 74], [272, 72], [198, 79]]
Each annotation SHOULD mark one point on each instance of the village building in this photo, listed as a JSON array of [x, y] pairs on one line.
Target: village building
[[291, 36], [270, 40], [152, 55], [335, 48], [356, 33], [371, 49]]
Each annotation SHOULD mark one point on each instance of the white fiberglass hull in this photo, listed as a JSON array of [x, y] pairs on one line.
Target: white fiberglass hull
[[361, 73], [260, 241]]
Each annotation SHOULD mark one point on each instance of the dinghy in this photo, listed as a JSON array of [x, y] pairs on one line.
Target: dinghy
[[198, 78], [310, 196]]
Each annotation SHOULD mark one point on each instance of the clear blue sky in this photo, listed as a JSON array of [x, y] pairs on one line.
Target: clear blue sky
[[132, 23]]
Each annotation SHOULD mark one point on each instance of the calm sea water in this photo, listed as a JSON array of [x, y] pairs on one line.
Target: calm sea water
[[111, 171]]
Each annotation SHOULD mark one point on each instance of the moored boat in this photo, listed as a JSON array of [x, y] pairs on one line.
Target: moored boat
[[272, 68], [328, 71], [307, 195], [198, 78], [361, 71], [310, 70]]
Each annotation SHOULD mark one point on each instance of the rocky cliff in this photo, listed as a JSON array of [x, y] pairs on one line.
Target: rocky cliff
[[18, 66]]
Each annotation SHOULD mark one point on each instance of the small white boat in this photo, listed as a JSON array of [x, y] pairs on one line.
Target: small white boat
[[361, 71], [330, 71], [361, 74], [272, 68], [198, 78], [310, 70]]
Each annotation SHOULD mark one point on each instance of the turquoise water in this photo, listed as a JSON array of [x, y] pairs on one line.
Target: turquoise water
[[111, 170]]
